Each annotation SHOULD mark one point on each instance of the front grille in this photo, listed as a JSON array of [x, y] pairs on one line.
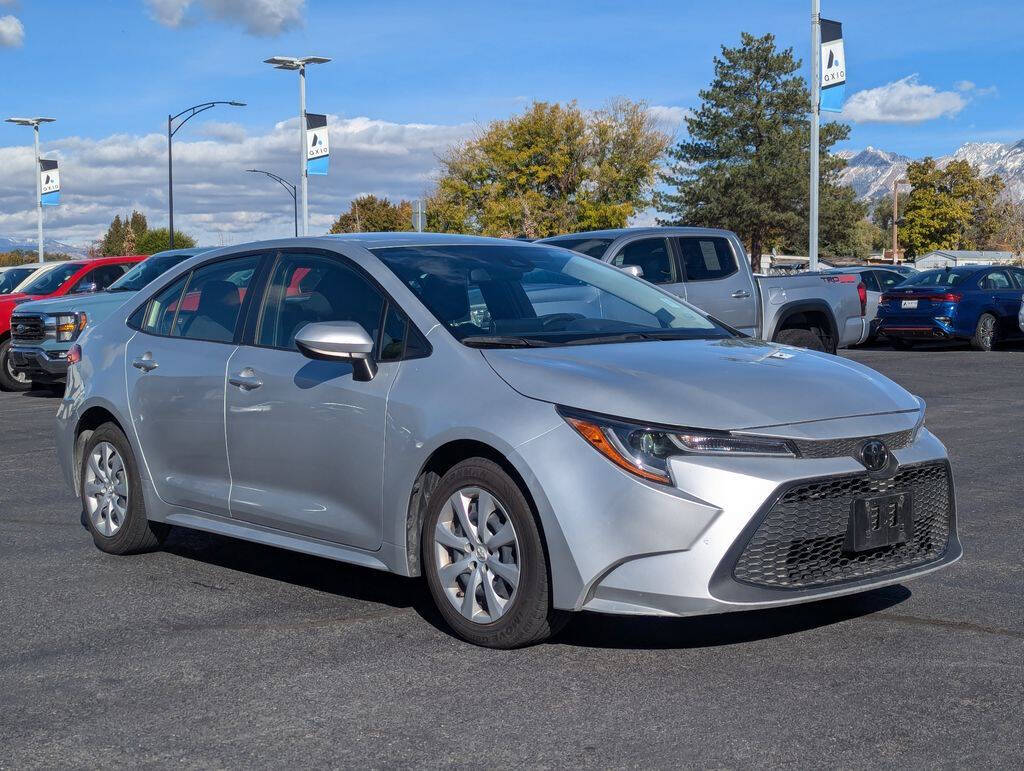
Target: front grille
[[27, 328], [800, 542], [838, 448]]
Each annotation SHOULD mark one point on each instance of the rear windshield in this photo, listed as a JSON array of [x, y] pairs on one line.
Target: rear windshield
[[939, 277], [146, 271], [592, 247], [52, 279]]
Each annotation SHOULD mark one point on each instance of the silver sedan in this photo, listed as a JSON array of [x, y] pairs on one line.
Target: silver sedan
[[533, 431]]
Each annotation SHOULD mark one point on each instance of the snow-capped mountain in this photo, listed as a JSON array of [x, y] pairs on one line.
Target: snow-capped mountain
[[871, 172], [10, 243]]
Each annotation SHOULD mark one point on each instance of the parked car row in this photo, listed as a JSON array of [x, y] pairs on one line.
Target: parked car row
[[533, 430]]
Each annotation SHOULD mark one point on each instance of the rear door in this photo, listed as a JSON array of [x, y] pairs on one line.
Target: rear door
[[1004, 297], [715, 282], [175, 371], [653, 255]]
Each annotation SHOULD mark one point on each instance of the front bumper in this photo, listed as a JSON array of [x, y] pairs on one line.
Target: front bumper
[[643, 549], [39, 363]]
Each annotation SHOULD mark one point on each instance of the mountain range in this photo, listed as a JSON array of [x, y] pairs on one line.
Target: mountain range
[[10, 243], [871, 171]]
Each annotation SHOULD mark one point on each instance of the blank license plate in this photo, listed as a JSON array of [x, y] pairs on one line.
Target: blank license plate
[[908, 304], [881, 521]]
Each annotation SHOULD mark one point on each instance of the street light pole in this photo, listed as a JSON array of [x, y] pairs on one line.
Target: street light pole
[[812, 246], [34, 123], [299, 64], [895, 214], [188, 114], [287, 186]]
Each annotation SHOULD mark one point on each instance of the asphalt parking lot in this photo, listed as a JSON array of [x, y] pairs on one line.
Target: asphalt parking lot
[[214, 652]]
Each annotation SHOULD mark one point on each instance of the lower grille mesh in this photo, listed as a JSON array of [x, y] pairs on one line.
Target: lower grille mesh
[[799, 544]]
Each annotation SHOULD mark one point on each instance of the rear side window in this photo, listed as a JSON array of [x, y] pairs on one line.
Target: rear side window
[[706, 258], [592, 247], [652, 256], [161, 309], [212, 301], [995, 279], [868, 277]]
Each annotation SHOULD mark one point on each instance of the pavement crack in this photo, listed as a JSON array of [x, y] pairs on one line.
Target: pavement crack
[[963, 626]]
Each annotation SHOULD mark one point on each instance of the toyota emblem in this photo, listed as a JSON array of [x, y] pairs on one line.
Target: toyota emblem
[[874, 455], [20, 328]]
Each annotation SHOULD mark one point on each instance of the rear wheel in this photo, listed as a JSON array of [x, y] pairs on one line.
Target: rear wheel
[[484, 559], [111, 493], [9, 379], [800, 338], [985, 333]]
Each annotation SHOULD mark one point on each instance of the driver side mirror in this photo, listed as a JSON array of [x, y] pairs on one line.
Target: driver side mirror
[[339, 341], [634, 270]]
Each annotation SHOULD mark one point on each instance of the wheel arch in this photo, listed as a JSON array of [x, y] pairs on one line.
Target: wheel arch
[[92, 418], [801, 314]]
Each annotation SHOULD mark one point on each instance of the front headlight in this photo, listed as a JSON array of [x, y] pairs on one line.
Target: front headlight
[[69, 326], [644, 450]]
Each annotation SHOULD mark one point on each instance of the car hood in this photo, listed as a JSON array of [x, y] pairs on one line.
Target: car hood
[[100, 301], [728, 384]]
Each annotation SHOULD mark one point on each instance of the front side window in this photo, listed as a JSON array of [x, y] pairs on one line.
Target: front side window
[[52, 280], [1018, 277], [98, 279], [309, 288], [513, 295], [652, 256], [706, 258]]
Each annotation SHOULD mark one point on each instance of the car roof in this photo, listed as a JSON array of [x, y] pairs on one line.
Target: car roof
[[385, 240], [669, 230]]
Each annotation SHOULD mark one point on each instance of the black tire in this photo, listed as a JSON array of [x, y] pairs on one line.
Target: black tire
[[135, 533], [800, 338], [8, 380], [985, 333], [530, 617], [902, 343]]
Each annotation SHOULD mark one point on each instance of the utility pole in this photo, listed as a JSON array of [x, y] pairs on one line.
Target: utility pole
[[812, 246], [34, 123], [895, 213], [299, 64]]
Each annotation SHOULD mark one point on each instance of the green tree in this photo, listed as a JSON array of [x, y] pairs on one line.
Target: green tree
[[113, 239], [138, 223], [553, 169], [745, 165], [370, 214], [950, 208], [158, 240]]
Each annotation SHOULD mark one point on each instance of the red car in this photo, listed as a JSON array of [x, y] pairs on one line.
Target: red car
[[71, 277]]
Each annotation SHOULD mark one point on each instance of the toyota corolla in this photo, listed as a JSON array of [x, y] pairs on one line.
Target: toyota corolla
[[533, 431]]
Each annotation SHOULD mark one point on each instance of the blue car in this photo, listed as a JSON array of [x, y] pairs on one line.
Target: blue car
[[977, 303]]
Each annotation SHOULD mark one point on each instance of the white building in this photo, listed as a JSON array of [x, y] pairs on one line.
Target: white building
[[950, 258]]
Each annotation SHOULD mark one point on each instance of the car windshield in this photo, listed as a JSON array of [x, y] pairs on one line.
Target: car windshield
[[146, 271], [938, 277], [51, 280], [592, 247], [11, 278], [497, 295]]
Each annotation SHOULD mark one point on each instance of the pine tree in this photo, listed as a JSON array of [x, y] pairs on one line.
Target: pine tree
[[138, 223], [113, 239], [745, 164]]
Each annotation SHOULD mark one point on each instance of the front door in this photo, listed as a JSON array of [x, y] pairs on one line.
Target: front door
[[305, 439], [175, 369], [715, 283]]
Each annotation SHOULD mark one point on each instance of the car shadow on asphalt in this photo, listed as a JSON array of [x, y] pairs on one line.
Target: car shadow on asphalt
[[590, 630], [598, 630]]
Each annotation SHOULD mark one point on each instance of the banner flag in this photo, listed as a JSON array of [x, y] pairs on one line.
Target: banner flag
[[318, 147], [49, 178], [833, 66]]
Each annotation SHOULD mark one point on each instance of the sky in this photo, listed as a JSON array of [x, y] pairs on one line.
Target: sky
[[409, 79]]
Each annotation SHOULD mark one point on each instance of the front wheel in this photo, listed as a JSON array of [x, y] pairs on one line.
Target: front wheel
[[985, 333], [111, 492], [9, 379], [484, 559]]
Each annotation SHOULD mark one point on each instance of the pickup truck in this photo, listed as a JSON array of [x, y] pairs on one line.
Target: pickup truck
[[44, 330], [709, 268], [71, 277]]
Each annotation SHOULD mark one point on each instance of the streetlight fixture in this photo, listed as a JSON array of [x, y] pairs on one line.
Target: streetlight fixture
[[34, 123], [287, 186], [299, 64], [189, 113]]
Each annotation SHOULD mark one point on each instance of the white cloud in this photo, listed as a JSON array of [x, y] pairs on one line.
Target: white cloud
[[964, 85], [214, 199], [669, 119], [12, 33], [264, 18], [902, 101]]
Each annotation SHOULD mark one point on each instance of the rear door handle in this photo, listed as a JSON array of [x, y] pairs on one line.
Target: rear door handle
[[145, 362], [246, 380], [739, 294]]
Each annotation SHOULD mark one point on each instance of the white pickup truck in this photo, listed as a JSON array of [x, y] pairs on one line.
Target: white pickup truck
[[710, 269]]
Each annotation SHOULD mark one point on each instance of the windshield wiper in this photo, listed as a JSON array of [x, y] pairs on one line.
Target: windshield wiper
[[622, 337], [121, 289], [499, 341]]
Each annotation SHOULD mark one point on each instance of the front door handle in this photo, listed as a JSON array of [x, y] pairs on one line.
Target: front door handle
[[246, 380], [739, 294], [145, 362]]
